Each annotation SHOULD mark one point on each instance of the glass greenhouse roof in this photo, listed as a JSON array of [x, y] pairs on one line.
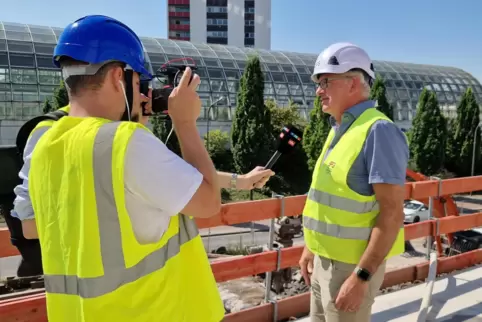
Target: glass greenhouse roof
[[28, 76]]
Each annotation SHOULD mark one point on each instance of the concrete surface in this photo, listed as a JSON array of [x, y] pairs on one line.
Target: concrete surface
[[8, 266], [262, 225], [456, 297]]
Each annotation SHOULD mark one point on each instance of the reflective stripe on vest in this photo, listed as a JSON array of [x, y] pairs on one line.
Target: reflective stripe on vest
[[337, 202], [342, 203], [116, 274], [337, 231]]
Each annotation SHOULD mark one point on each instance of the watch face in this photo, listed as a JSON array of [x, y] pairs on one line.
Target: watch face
[[363, 274]]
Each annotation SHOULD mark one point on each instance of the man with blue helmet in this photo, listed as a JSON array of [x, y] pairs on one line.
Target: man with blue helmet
[[113, 206]]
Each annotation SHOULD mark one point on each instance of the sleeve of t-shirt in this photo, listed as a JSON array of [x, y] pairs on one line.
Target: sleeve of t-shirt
[[22, 205], [158, 176], [386, 154]]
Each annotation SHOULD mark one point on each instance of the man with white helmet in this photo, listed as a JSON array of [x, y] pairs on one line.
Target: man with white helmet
[[353, 217]]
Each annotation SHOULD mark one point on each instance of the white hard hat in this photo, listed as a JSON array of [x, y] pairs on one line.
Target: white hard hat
[[340, 58]]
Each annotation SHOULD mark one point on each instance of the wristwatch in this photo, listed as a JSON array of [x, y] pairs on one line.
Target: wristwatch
[[234, 180], [362, 274]]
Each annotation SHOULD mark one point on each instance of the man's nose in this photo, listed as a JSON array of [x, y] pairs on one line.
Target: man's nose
[[319, 90]]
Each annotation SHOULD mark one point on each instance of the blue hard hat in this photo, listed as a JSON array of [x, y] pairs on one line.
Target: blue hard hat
[[97, 39]]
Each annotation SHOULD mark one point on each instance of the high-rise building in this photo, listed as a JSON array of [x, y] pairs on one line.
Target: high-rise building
[[240, 23]]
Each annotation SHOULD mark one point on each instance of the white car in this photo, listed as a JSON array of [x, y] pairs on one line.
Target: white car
[[415, 211]]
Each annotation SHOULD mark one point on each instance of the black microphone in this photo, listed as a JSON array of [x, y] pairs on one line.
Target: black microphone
[[289, 137]]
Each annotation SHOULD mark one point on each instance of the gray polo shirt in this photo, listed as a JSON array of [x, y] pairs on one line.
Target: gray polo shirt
[[384, 156]]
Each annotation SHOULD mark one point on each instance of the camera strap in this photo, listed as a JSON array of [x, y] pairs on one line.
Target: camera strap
[[128, 73]]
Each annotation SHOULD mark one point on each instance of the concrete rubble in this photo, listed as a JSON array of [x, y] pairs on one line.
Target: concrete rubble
[[242, 293], [249, 292]]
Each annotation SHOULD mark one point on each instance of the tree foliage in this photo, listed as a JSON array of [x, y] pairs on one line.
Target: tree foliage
[[460, 149], [428, 135], [219, 151], [161, 128], [451, 148], [292, 173], [315, 133], [379, 94], [47, 107], [60, 97], [251, 134], [281, 116]]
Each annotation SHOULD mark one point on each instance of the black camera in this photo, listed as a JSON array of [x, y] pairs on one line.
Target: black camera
[[168, 75]]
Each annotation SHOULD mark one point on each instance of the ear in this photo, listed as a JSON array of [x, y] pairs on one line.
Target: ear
[[116, 75], [355, 85]]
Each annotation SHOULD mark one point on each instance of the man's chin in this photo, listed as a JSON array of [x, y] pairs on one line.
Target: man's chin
[[325, 108]]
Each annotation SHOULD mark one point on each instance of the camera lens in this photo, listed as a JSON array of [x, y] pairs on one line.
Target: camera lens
[[177, 78]]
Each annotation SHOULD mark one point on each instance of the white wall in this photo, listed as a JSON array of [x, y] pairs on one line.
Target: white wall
[[236, 23], [198, 21], [262, 29]]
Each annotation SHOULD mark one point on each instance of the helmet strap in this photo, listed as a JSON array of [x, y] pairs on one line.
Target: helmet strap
[[129, 95]]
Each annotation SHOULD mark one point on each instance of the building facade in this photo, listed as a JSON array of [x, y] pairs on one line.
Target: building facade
[[28, 77], [240, 23]]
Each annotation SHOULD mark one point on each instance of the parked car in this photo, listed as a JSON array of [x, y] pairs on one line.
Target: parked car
[[415, 211]]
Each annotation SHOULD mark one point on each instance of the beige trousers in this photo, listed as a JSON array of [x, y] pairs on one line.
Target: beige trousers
[[327, 279]]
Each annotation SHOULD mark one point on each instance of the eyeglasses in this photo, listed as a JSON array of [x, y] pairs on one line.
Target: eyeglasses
[[323, 84]]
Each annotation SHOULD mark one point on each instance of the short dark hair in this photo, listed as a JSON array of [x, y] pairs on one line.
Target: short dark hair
[[77, 83]]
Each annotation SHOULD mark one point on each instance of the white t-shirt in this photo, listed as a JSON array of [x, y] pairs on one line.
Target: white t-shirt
[[158, 184]]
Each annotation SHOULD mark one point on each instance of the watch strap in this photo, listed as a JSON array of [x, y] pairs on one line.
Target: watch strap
[[363, 274]]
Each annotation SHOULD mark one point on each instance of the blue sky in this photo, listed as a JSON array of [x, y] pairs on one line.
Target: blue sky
[[443, 32]]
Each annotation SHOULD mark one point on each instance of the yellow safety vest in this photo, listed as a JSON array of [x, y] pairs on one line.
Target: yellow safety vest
[[95, 269], [47, 123], [337, 220]]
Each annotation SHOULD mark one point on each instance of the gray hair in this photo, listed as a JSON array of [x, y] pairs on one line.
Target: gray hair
[[364, 81]]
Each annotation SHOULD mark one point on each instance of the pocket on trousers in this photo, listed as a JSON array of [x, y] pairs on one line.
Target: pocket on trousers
[[343, 267]]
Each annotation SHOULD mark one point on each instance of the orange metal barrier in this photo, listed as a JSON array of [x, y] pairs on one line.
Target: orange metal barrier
[[299, 305], [33, 308], [443, 205]]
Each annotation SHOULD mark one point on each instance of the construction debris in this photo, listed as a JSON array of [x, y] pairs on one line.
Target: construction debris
[[19, 284], [242, 293]]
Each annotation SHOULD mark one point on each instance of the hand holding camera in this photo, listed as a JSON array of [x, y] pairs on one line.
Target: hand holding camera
[[169, 75], [184, 104]]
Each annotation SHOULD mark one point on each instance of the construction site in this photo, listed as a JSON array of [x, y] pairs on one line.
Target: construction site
[[254, 248], [261, 70]]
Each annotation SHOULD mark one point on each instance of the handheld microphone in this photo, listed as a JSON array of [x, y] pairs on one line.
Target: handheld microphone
[[288, 139]]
